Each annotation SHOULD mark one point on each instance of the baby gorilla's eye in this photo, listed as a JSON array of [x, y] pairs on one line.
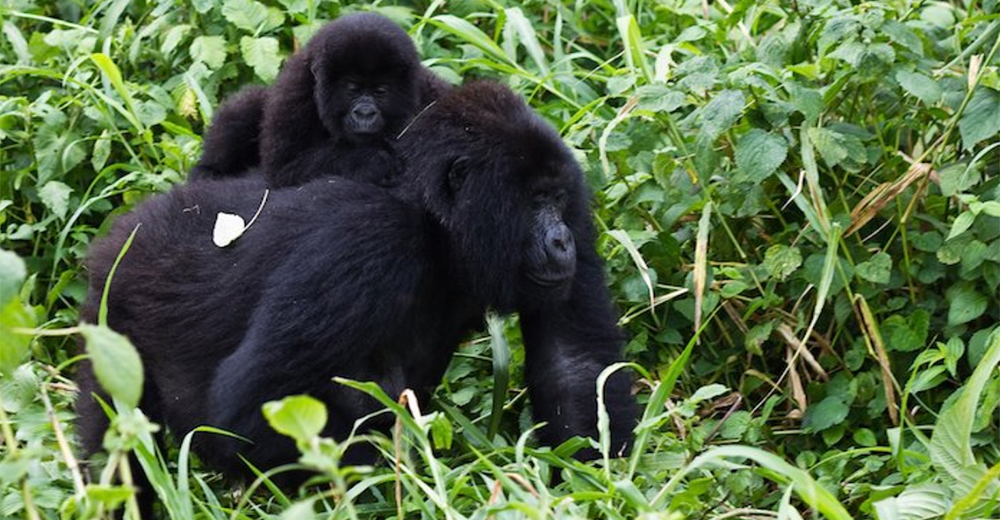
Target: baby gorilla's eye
[[381, 90], [351, 86]]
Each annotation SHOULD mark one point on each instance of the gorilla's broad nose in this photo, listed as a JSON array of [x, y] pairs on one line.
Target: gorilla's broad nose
[[365, 112], [560, 247]]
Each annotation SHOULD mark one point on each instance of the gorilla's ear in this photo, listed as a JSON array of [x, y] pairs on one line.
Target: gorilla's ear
[[458, 170]]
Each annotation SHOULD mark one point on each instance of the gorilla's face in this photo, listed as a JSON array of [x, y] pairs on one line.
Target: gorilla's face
[[550, 249], [361, 107]]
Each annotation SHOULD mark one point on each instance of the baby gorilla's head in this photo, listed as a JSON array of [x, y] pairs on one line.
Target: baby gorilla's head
[[365, 69]]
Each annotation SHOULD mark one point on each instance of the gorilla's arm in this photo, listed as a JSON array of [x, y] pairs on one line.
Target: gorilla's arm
[[291, 117], [232, 143], [568, 345]]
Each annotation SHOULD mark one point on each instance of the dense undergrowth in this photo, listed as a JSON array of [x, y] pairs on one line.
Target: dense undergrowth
[[800, 206]]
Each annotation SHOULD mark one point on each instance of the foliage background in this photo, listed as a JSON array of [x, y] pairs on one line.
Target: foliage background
[[811, 185]]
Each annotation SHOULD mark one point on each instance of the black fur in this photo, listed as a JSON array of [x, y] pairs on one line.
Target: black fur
[[341, 278], [232, 142]]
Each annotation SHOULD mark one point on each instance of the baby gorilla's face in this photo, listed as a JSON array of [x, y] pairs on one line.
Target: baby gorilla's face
[[364, 107], [363, 116]]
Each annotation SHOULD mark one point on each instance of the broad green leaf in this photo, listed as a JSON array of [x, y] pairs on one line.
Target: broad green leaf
[[981, 119], [173, 38], [262, 55], [720, 113], [12, 274], [781, 261], [116, 363], [951, 444], [829, 145], [906, 334], [300, 417], [55, 196], [922, 502], [876, 269], [962, 223], [210, 50], [14, 345], [248, 15], [295, 6], [922, 87], [759, 154], [965, 304], [829, 412], [659, 98], [958, 178]]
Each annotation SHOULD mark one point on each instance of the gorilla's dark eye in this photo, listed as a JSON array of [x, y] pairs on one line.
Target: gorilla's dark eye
[[458, 170], [381, 90], [351, 86]]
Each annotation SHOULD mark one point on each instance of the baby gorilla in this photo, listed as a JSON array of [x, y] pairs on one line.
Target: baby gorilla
[[335, 108], [348, 279]]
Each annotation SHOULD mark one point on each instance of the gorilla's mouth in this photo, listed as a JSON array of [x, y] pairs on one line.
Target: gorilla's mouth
[[549, 280], [363, 126]]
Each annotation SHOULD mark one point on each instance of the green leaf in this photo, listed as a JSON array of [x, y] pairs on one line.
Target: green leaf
[[248, 15], [876, 269], [295, 6], [116, 363], [962, 223], [12, 274], [951, 445], [759, 154], [981, 119], [441, 431], [781, 260], [922, 87], [302, 510], [829, 412], [210, 50], [102, 150], [720, 113], [966, 304], [906, 334], [829, 145], [262, 55], [13, 345], [958, 178], [55, 196], [300, 417], [659, 98]]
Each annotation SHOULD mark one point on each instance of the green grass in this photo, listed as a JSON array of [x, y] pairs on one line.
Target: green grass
[[799, 206]]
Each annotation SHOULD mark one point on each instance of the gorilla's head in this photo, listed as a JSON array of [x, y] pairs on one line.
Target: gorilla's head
[[365, 68], [506, 190]]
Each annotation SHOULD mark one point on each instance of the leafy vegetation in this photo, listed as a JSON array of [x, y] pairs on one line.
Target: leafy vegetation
[[800, 206]]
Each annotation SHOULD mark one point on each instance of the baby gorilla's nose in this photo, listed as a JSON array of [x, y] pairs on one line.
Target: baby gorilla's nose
[[365, 111]]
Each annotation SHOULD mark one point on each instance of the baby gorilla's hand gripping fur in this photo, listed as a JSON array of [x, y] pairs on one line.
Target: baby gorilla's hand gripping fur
[[341, 278]]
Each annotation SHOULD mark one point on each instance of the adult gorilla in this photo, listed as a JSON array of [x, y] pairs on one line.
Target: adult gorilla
[[340, 278], [335, 109]]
